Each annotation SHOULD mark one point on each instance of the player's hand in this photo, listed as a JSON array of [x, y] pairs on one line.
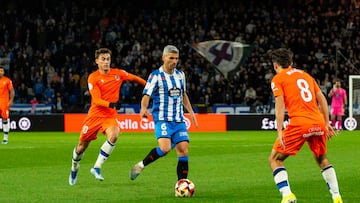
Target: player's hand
[[193, 118], [281, 139], [115, 105], [144, 113], [330, 132]]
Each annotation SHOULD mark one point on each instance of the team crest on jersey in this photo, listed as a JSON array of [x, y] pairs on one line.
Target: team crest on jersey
[[117, 78], [174, 92]]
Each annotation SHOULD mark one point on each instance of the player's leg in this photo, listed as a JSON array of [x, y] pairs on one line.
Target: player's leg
[[293, 141], [329, 175], [339, 123], [154, 154], [77, 155], [183, 159], [88, 133], [181, 139], [112, 131], [6, 129], [162, 133], [333, 117], [5, 124], [280, 175], [317, 145]]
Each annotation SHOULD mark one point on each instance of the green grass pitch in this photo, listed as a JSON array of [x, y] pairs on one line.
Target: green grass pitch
[[225, 167]]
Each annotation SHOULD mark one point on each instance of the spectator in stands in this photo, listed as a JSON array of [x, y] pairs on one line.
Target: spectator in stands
[[126, 92], [49, 93], [34, 102], [208, 97], [50, 72], [83, 87], [194, 93], [238, 97], [136, 93], [250, 96], [59, 105], [22, 94], [39, 89]]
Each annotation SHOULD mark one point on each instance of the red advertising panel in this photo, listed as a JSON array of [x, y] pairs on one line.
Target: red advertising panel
[[133, 123]]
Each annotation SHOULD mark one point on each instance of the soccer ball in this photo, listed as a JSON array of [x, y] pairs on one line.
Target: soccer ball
[[184, 188]]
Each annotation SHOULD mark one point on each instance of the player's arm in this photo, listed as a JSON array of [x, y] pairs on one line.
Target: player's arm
[[280, 116], [331, 93], [95, 93], [345, 99], [323, 106], [96, 97], [136, 79], [144, 106], [188, 107], [11, 96]]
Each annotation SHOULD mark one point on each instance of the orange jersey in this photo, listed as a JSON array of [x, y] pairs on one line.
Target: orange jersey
[[299, 91], [105, 88], [5, 87]]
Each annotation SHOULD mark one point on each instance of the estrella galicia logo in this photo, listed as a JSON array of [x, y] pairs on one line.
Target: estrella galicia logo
[[24, 123], [174, 92]]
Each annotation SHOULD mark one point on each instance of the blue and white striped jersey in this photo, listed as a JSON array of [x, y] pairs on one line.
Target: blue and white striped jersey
[[166, 92]]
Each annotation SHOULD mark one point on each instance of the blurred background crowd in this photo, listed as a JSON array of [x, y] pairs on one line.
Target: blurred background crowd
[[48, 46]]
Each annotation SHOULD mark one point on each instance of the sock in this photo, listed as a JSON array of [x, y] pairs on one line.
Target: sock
[[281, 181], [105, 151], [329, 176], [76, 158], [182, 167], [153, 155], [333, 122], [339, 124], [6, 129]]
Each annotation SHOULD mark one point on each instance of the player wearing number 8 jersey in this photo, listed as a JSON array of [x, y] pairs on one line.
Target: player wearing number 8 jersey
[[307, 108]]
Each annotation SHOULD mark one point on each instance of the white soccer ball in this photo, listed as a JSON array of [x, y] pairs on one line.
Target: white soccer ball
[[184, 188]]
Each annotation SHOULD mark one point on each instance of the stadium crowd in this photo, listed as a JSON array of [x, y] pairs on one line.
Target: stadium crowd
[[47, 48]]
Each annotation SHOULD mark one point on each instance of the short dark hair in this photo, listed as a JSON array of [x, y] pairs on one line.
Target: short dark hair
[[2, 67], [102, 51], [282, 56]]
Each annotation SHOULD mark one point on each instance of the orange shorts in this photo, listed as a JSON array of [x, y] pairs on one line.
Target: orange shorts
[[296, 136], [4, 110], [93, 125]]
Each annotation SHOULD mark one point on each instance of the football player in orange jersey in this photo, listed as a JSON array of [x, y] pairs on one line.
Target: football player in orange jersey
[[104, 87], [307, 108], [7, 94]]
